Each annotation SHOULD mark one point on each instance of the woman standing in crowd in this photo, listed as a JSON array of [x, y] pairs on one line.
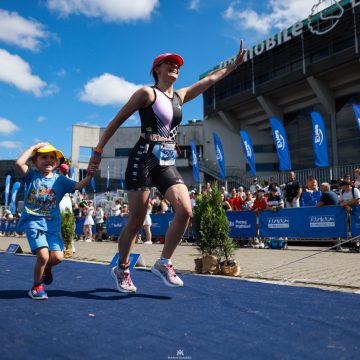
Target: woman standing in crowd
[[152, 160]]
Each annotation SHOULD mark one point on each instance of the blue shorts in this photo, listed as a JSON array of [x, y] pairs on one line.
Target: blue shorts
[[40, 238]]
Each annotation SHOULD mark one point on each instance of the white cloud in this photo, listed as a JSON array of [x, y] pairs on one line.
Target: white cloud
[[282, 14], [16, 71], [16, 30], [194, 5], [11, 144], [7, 127], [108, 89], [40, 119], [61, 72], [108, 10]]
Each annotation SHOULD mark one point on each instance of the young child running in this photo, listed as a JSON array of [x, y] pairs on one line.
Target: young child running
[[40, 217]]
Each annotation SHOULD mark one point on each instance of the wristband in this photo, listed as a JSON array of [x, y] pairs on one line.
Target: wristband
[[98, 151]]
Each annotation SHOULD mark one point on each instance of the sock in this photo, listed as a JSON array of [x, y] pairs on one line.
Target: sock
[[165, 261], [123, 266]]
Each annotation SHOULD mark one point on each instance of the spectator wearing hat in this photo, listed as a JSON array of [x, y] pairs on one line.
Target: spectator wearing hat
[[349, 196], [274, 200], [40, 217], [88, 210]]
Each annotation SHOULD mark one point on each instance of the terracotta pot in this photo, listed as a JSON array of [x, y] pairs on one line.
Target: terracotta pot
[[198, 265], [68, 252], [210, 265], [230, 270]]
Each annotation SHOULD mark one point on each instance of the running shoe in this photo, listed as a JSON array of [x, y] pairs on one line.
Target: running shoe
[[123, 280], [167, 274], [37, 292], [47, 277]]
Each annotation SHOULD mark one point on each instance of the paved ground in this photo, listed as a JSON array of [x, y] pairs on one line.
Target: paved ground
[[330, 269]]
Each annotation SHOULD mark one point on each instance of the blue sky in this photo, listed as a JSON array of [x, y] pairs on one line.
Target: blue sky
[[65, 62]]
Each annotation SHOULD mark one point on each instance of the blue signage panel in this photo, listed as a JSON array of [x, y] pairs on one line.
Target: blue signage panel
[[134, 258], [242, 223], [115, 224], [160, 223], [355, 221], [305, 222], [14, 248]]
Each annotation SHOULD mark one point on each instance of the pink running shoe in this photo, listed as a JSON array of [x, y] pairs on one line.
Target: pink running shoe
[[37, 292], [123, 280], [167, 274]]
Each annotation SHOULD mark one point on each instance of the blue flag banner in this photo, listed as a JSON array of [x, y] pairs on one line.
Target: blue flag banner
[[357, 114], [92, 182], [7, 190], [121, 176], [219, 155], [306, 222], [281, 143], [319, 140], [195, 164], [14, 192], [72, 173], [108, 178], [248, 150]]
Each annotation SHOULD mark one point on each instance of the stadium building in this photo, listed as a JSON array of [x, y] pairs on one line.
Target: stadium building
[[311, 66]]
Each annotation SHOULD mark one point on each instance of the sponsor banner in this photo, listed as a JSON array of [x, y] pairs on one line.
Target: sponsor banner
[[355, 221], [115, 224], [242, 223], [304, 222], [160, 223], [319, 140], [8, 226]]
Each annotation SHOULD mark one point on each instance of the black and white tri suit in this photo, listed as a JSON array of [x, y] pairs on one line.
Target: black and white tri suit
[[162, 118]]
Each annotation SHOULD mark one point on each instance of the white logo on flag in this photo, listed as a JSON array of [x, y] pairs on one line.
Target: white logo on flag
[[218, 153], [248, 149], [319, 136], [280, 141]]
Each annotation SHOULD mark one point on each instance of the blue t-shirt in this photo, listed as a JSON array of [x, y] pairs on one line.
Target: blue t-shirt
[[41, 204]]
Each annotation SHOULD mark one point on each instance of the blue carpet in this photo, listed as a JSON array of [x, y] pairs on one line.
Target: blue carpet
[[209, 318]]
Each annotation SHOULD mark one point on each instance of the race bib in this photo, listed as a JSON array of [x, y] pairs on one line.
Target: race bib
[[165, 153]]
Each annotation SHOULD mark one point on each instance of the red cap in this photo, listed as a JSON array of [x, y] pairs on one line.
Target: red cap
[[175, 57], [64, 168]]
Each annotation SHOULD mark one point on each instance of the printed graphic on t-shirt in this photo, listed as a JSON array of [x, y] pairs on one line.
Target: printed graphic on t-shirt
[[41, 200]]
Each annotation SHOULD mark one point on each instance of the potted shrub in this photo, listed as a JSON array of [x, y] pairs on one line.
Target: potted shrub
[[229, 267], [68, 231], [211, 228]]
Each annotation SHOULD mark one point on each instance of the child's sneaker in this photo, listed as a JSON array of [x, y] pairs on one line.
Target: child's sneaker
[[47, 277], [123, 280], [167, 274], [37, 292]]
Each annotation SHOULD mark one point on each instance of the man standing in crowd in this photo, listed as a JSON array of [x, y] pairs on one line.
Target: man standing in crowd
[[328, 197], [292, 192], [349, 196], [253, 188]]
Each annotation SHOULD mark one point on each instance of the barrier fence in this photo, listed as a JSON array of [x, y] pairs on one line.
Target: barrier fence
[[299, 223]]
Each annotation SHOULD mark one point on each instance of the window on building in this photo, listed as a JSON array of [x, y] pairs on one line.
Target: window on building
[[85, 154]]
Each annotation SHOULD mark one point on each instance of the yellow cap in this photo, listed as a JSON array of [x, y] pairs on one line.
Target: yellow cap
[[49, 148]]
